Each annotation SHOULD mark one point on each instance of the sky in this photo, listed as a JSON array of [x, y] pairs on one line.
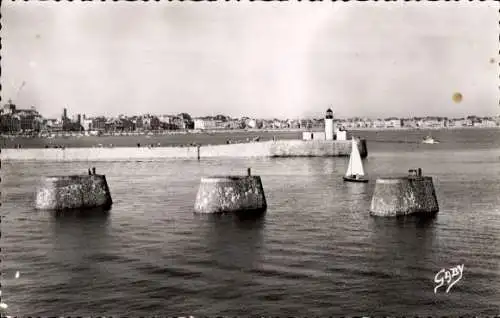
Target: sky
[[258, 59]]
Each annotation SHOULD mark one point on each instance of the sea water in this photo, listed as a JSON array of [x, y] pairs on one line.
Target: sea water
[[317, 250]]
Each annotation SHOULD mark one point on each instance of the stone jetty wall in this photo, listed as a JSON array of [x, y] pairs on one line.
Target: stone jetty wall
[[98, 154], [227, 194], [281, 148], [315, 148], [253, 149], [73, 192], [403, 196]]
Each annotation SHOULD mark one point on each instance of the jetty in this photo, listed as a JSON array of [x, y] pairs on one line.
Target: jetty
[[281, 148]]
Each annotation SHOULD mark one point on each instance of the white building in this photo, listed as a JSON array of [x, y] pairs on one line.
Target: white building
[[328, 134], [393, 123], [251, 123], [341, 135], [167, 119], [488, 123], [204, 124], [86, 124], [378, 123]]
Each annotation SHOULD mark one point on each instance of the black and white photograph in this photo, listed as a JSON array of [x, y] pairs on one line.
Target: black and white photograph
[[250, 158]]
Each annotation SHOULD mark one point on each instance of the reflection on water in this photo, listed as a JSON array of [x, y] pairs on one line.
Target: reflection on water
[[392, 239], [238, 217], [395, 235], [234, 240], [79, 234], [80, 214], [351, 189]]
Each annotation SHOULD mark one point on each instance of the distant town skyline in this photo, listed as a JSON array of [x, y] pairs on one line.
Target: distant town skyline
[[66, 113], [256, 59]]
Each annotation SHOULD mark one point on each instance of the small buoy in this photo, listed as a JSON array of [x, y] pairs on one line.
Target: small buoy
[[17, 274]]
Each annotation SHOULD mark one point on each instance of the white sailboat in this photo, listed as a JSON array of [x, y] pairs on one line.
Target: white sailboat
[[429, 140], [355, 171]]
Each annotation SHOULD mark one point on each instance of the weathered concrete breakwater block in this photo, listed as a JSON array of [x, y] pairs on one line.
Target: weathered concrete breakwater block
[[404, 196], [230, 194], [73, 192]]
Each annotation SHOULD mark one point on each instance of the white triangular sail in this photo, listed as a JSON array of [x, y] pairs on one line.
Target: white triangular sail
[[355, 164]]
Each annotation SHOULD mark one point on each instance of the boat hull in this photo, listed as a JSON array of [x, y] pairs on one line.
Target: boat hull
[[352, 179], [429, 140]]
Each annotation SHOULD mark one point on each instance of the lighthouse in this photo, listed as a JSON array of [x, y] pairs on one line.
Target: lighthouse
[[329, 129]]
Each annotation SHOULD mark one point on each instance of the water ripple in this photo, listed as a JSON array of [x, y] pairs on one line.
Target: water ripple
[[316, 251]]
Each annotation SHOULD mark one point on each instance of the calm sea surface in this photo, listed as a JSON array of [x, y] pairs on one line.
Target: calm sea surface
[[316, 251]]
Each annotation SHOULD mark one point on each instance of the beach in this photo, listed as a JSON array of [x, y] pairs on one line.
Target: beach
[[162, 140], [219, 137]]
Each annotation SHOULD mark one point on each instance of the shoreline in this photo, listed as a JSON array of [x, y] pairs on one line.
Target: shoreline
[[234, 131], [218, 137]]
